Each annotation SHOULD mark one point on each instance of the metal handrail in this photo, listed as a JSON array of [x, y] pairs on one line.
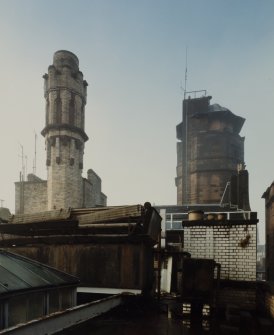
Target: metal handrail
[[170, 217]]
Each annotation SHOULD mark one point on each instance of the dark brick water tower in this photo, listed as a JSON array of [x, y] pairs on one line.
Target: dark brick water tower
[[210, 150]]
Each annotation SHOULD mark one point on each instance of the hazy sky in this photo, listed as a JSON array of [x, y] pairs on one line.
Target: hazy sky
[[132, 54]]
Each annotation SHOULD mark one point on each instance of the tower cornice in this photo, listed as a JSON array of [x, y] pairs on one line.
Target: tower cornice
[[64, 126], [58, 88]]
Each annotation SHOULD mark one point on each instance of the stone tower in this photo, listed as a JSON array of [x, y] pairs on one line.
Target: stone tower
[[65, 93], [209, 152]]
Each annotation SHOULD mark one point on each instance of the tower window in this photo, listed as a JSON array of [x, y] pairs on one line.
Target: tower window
[[82, 115], [58, 110], [47, 112], [72, 111]]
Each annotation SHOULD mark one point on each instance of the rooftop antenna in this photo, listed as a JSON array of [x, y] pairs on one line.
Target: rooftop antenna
[[181, 87], [22, 179], [34, 160], [22, 173], [185, 75], [186, 165], [26, 166]]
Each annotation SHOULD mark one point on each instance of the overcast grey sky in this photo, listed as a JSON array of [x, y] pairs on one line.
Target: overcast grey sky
[[132, 54]]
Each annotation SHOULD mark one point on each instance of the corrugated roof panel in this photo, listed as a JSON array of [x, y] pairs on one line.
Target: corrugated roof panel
[[19, 273], [11, 282], [22, 271], [49, 275]]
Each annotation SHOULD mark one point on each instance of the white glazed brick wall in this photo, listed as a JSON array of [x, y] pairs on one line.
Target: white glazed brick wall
[[222, 243]]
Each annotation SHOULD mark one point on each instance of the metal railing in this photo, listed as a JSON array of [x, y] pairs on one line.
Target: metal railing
[[174, 220]]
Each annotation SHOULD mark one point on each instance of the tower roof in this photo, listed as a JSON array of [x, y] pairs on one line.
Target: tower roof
[[64, 58], [217, 108], [216, 111]]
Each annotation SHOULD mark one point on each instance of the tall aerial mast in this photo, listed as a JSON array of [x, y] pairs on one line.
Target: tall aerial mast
[[185, 75], [34, 160]]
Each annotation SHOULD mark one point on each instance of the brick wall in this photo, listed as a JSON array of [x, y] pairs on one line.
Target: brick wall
[[242, 297], [265, 300], [97, 198], [231, 245], [31, 197]]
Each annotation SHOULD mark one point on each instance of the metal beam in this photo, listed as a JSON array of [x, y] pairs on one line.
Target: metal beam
[[107, 290], [58, 321]]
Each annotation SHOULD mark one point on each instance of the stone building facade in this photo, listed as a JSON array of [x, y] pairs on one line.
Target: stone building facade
[[65, 92], [209, 151]]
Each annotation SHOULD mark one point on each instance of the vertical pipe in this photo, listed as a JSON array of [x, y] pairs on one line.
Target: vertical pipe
[[159, 267]]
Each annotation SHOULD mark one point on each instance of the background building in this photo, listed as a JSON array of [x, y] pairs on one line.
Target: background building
[[260, 261], [210, 151], [65, 92], [269, 232]]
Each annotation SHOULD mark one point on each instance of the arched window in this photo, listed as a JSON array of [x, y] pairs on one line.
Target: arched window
[[72, 111], [47, 111], [83, 116], [57, 118]]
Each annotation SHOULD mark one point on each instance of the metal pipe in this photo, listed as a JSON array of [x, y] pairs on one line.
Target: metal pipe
[[159, 267]]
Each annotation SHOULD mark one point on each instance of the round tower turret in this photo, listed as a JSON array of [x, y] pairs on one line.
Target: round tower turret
[[64, 58], [65, 94]]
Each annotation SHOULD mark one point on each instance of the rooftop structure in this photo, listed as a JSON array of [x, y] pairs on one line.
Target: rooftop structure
[[106, 247]]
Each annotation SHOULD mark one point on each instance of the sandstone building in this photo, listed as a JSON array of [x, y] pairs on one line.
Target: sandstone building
[[210, 151], [65, 92]]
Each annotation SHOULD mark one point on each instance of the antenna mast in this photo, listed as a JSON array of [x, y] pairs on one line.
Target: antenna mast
[[185, 75], [34, 160], [26, 166], [22, 162]]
